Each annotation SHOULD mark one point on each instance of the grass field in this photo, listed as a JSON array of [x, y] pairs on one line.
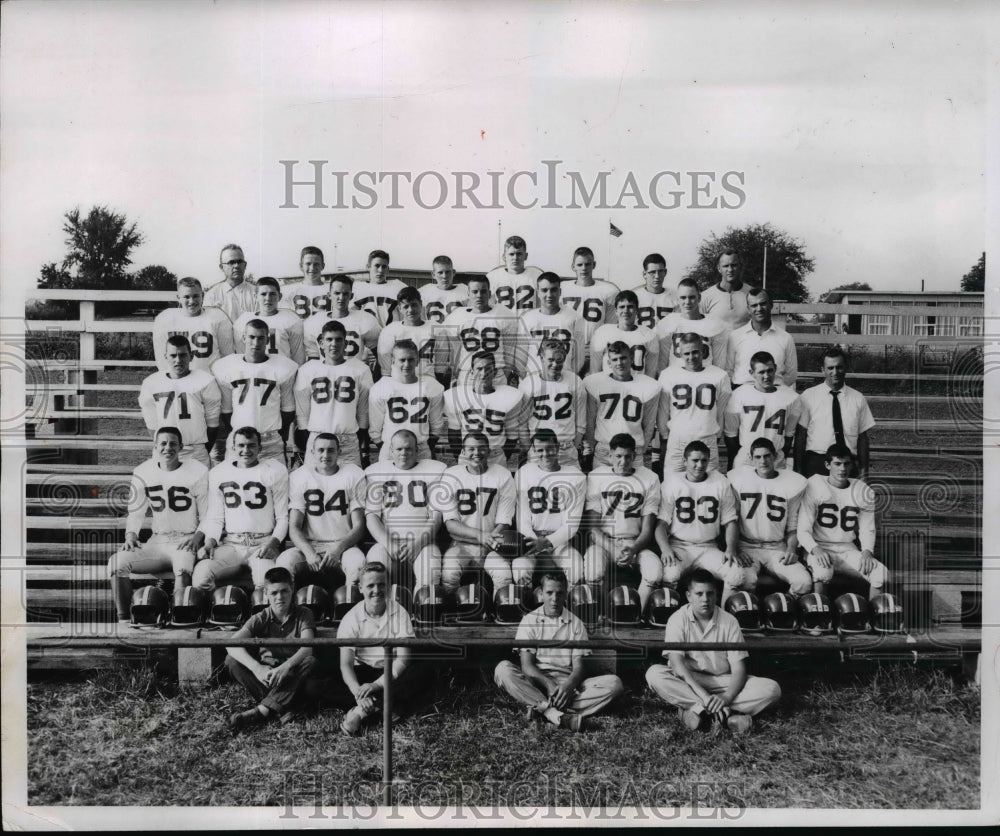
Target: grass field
[[891, 737]]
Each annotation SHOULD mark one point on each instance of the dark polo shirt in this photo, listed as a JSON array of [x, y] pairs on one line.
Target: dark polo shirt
[[265, 625]]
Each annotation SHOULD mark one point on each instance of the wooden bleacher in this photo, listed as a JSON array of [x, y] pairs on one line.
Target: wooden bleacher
[[926, 471]]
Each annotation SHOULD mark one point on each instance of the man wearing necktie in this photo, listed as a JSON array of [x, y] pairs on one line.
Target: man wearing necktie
[[832, 413]]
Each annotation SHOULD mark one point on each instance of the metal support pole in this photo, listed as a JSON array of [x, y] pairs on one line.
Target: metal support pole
[[387, 727]]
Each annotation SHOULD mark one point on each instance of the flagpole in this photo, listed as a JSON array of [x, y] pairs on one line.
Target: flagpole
[[608, 279], [499, 242], [764, 278]]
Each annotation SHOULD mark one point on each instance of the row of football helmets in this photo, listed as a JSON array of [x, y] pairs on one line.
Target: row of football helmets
[[813, 613]]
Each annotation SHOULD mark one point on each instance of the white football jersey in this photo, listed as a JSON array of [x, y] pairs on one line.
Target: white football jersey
[[304, 299], [481, 501], [191, 403], [210, 334], [769, 508], [514, 291], [426, 337], [332, 399], [256, 393], [623, 406], [714, 333], [439, 303], [284, 333], [361, 338], [498, 414], [836, 516], [752, 414], [558, 405], [696, 512], [403, 499], [247, 500], [692, 403], [178, 499], [643, 344], [654, 307], [595, 305], [326, 502], [550, 502], [394, 406], [470, 331], [535, 327], [623, 501], [378, 300]]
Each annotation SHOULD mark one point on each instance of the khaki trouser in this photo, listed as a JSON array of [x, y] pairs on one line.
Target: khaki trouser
[[593, 693], [757, 694]]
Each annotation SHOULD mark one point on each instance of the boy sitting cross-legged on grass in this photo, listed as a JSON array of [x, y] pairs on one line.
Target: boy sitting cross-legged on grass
[[275, 676]]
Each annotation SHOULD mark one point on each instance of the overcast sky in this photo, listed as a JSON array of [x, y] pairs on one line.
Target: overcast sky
[[857, 128]]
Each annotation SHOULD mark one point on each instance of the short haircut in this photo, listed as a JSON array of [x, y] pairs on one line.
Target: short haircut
[[326, 437], [550, 344], [408, 345], [377, 254], [762, 442], [480, 279], [334, 326], [544, 436], [653, 258], [229, 247], [548, 276], [618, 347], [763, 358], [409, 433], [189, 281], [476, 436], [557, 575], [257, 325], [696, 446], [838, 451], [626, 296], [728, 251], [586, 251], [176, 433], [622, 441], [249, 432], [483, 355], [688, 283], [268, 281], [515, 241], [278, 574], [374, 568], [443, 260], [690, 337], [179, 341], [835, 351], [342, 277], [758, 291], [408, 294], [311, 251], [701, 575]]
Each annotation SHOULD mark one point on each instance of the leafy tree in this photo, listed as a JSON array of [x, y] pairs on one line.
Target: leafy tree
[[975, 279], [54, 276], [100, 248], [153, 277], [787, 262]]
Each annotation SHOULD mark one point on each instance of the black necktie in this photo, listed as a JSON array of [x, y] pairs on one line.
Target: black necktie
[[838, 421]]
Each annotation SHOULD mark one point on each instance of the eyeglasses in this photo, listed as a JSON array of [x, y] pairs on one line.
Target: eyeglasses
[[233, 262]]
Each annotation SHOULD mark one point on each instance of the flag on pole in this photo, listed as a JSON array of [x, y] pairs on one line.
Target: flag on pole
[[615, 231]]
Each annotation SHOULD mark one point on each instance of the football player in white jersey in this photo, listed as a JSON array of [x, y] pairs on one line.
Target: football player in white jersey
[[592, 299], [410, 325], [406, 401], [258, 391], [378, 295], [655, 301], [182, 398], [444, 296], [763, 410], [768, 501], [326, 518], [311, 295], [623, 502], [689, 319], [247, 517], [556, 400], [208, 330], [549, 320], [479, 406], [331, 395], [695, 508], [837, 525], [361, 329], [693, 399], [401, 512], [619, 401], [514, 284], [482, 327], [176, 493], [550, 503], [644, 348], [478, 502], [284, 327]]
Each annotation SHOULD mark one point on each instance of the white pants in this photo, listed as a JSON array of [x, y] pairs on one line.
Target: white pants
[[231, 560], [351, 563], [350, 449], [674, 459], [566, 559], [757, 693], [157, 556], [602, 453], [769, 557], [461, 557], [592, 694], [846, 559], [426, 564], [705, 556]]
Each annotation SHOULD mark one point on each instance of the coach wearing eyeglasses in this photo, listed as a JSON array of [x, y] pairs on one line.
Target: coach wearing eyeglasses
[[234, 296]]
